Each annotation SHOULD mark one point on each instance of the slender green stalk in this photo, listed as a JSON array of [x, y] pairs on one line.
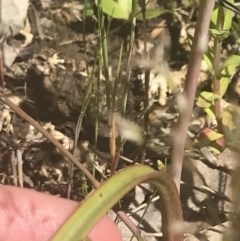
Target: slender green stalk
[[131, 44], [78, 226], [104, 47], [128, 73]]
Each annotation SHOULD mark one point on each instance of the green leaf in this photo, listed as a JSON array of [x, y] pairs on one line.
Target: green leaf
[[208, 58], [190, 39], [210, 135], [229, 5], [228, 17], [88, 8], [219, 34], [153, 13], [214, 15], [229, 116], [120, 9], [210, 112], [227, 119], [224, 83], [214, 149], [78, 226], [206, 99], [233, 60], [89, 12], [226, 71]]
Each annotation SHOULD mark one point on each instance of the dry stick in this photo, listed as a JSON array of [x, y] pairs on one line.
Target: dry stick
[[66, 153], [199, 45]]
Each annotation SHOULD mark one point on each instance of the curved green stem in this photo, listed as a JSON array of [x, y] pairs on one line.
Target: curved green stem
[[95, 206]]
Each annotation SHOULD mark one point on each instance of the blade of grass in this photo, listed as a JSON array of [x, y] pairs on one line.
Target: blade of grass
[[104, 48], [120, 143], [131, 44], [114, 154]]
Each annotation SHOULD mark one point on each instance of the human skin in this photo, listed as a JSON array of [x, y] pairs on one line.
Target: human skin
[[33, 216]]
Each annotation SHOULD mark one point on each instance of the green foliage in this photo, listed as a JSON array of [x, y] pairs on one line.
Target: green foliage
[[232, 61], [221, 23], [227, 118], [122, 9], [208, 58], [117, 9], [219, 34], [209, 138], [228, 15], [206, 99]]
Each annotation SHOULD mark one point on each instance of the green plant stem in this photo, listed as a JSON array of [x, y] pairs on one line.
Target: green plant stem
[[79, 124], [199, 44], [129, 66], [120, 144], [216, 65], [81, 222], [104, 48]]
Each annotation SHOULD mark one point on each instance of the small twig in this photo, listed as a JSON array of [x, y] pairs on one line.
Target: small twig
[[129, 223]]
